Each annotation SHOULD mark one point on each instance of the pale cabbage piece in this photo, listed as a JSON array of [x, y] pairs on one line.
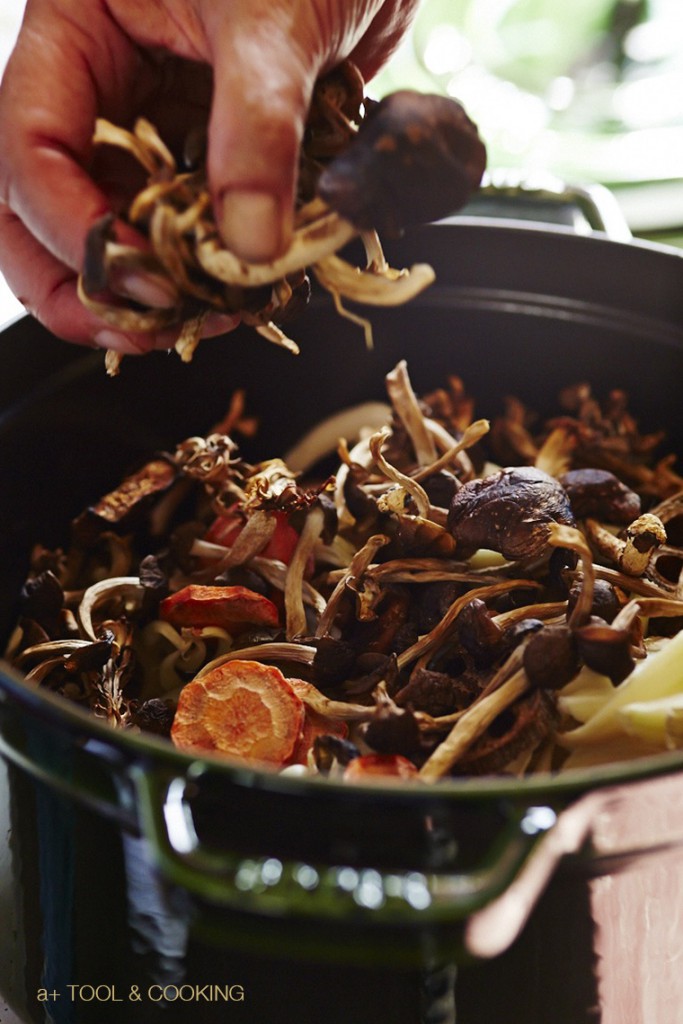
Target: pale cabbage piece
[[656, 677], [585, 695], [656, 721], [618, 748]]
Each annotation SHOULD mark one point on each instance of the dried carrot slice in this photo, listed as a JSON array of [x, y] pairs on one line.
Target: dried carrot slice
[[371, 766], [243, 709], [229, 607]]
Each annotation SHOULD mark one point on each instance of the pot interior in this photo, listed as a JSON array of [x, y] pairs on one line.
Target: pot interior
[[515, 310]]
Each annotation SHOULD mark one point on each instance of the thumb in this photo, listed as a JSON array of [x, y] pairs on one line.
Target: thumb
[[262, 91]]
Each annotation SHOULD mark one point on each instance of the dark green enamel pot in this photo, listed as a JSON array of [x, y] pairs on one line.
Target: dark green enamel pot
[[131, 863]]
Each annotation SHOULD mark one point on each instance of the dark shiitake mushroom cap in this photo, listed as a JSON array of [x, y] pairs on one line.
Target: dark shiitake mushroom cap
[[416, 157], [601, 495], [509, 512]]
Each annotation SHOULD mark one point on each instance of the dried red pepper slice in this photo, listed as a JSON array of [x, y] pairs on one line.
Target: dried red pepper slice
[[225, 530], [227, 607], [241, 709]]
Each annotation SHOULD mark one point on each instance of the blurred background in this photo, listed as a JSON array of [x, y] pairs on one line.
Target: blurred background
[[587, 92]]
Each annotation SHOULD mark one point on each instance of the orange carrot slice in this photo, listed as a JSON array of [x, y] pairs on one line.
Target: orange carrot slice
[[242, 709], [370, 766], [229, 607]]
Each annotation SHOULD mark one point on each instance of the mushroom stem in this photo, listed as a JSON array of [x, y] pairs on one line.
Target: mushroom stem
[[342, 279], [405, 404], [124, 588], [562, 536], [546, 610], [281, 652], [510, 667], [271, 332], [660, 607], [339, 709], [275, 572], [257, 531], [359, 563], [374, 253], [295, 613], [472, 434], [428, 570], [143, 143], [190, 335], [112, 362], [554, 455], [413, 488], [430, 640], [313, 241], [123, 316], [444, 441], [633, 584], [471, 725]]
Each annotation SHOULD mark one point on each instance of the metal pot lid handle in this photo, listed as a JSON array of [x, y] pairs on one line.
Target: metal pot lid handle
[[543, 197]]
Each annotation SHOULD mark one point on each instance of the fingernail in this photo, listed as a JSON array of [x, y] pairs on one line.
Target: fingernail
[[148, 289], [251, 225], [124, 343]]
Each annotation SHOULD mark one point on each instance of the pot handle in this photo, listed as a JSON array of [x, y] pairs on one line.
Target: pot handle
[[543, 197], [492, 929], [528, 848]]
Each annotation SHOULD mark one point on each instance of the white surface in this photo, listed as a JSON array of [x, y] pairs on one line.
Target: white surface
[[11, 13], [9, 308]]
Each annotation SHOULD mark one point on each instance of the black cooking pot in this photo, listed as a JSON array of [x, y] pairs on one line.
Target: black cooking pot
[[133, 869]]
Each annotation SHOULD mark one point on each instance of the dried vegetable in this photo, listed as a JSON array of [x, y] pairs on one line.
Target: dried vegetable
[[366, 168], [459, 598]]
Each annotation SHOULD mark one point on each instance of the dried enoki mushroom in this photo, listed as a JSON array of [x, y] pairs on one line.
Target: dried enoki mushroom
[[365, 168], [413, 616]]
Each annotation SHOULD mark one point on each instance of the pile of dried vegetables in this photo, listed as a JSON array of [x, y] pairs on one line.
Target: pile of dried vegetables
[[459, 598], [365, 168]]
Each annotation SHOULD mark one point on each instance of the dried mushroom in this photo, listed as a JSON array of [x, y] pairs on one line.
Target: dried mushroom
[[415, 158], [632, 551], [598, 494], [415, 616], [517, 731], [665, 563], [509, 512], [364, 167]]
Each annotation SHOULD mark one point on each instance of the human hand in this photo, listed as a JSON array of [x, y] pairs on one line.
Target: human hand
[[251, 63]]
